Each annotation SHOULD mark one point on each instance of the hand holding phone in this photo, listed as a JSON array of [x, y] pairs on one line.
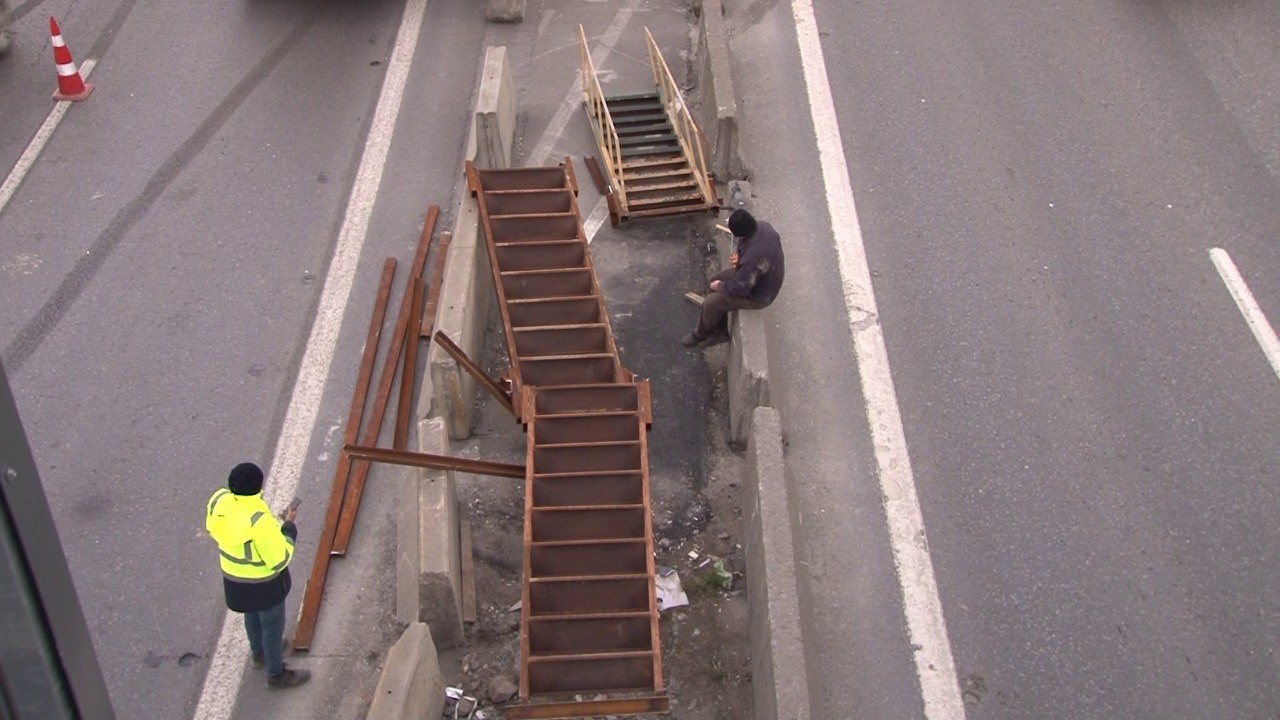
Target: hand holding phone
[[291, 512]]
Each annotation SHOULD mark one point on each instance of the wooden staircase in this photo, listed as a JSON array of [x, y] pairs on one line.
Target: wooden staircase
[[651, 146]]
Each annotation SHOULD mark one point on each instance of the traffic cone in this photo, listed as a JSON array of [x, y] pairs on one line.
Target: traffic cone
[[70, 85]]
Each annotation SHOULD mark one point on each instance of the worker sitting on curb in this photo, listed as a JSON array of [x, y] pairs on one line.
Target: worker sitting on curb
[[255, 552], [752, 280]]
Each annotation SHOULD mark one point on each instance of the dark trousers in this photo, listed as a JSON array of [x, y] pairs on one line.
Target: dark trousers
[[716, 307], [266, 636]]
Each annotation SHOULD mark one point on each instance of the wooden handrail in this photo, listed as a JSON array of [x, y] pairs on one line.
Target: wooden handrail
[[687, 131], [602, 122]]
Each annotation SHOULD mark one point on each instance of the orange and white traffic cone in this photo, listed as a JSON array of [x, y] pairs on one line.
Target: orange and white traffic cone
[[70, 85]]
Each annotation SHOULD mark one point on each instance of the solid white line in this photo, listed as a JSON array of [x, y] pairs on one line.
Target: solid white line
[[226, 669], [1249, 307], [926, 626], [598, 215], [27, 159], [573, 99]]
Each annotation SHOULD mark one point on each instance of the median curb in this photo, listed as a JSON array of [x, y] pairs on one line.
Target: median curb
[[466, 291], [779, 677], [411, 685]]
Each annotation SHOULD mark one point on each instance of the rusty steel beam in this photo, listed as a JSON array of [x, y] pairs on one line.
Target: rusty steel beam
[[597, 176], [360, 472], [437, 280], [476, 372], [434, 462], [320, 568], [409, 369]]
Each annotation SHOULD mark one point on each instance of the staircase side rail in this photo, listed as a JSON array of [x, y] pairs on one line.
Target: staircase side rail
[[687, 131], [601, 122]]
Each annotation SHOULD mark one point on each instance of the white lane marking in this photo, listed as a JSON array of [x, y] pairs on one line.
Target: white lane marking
[[226, 669], [27, 159], [1253, 316], [598, 215], [573, 99], [926, 626]]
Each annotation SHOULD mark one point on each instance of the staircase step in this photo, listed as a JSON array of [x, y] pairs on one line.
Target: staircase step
[[664, 140], [669, 149], [625, 118], [652, 128], [634, 190], [632, 97]]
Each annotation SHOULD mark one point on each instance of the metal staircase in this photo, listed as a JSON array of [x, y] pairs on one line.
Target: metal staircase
[[589, 615], [651, 146]]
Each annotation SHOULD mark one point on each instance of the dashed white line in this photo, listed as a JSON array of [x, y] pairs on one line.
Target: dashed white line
[[27, 159], [1253, 315], [922, 606], [226, 669]]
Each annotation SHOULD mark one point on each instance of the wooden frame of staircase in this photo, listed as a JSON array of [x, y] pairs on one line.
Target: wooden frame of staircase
[[651, 146], [687, 130], [602, 124]]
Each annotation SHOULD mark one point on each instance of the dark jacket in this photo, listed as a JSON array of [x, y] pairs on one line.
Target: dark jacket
[[251, 597], [760, 266]]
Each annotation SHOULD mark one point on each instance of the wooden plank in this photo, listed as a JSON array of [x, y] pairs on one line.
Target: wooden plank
[[360, 470], [311, 596], [694, 298], [468, 572], [597, 176]]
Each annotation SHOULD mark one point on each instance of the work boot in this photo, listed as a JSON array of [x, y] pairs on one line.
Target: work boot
[[289, 678], [717, 337], [690, 340]]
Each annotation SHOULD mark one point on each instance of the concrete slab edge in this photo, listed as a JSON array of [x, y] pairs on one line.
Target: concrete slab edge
[[719, 105], [466, 292], [779, 676], [411, 685]]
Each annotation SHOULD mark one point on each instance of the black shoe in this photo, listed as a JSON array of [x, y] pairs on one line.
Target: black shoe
[[690, 340], [716, 338], [257, 661], [289, 678]]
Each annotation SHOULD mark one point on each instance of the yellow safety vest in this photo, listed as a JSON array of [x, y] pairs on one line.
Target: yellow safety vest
[[250, 543]]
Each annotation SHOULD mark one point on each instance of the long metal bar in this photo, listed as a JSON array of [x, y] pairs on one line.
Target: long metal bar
[[360, 471], [437, 280], [475, 370], [311, 596], [409, 369], [434, 462]]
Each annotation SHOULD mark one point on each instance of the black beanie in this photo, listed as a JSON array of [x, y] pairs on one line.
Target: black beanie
[[245, 479], [742, 224]]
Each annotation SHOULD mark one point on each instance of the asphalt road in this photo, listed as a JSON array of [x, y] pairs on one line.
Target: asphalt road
[[160, 267], [1091, 423]]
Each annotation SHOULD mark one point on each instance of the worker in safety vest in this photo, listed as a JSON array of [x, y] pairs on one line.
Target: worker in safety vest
[[255, 552]]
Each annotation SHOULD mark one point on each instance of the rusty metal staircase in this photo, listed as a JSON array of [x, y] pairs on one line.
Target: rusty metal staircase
[[651, 146], [589, 615]]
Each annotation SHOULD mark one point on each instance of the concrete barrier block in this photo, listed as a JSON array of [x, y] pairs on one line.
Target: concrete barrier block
[[411, 686], [779, 677], [467, 292], [495, 123], [718, 109], [429, 563], [504, 10], [748, 372]]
